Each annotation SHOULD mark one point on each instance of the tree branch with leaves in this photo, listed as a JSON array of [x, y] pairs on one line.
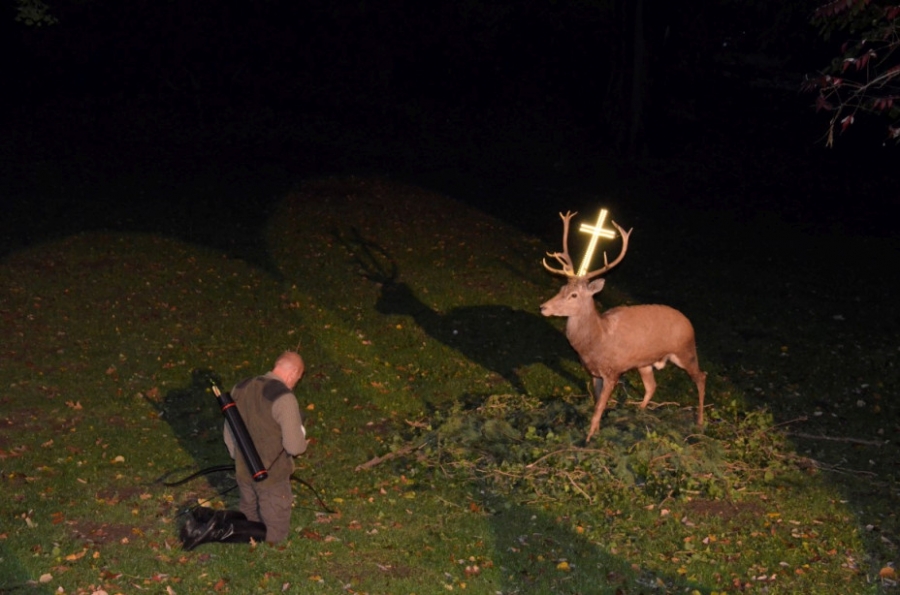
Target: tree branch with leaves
[[865, 77], [34, 13]]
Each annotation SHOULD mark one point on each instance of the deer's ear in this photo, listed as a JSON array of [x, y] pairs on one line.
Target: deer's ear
[[596, 285]]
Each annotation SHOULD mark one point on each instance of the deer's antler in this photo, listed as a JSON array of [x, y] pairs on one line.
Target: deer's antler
[[563, 257], [568, 269]]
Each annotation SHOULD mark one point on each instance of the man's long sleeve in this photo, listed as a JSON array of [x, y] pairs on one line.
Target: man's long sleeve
[[286, 412]]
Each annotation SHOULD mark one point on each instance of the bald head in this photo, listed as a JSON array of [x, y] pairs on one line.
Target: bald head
[[289, 368]]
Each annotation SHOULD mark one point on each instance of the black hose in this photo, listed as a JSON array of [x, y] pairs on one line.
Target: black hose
[[206, 471], [221, 468]]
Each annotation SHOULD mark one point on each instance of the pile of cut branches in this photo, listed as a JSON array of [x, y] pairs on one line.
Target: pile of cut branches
[[535, 448]]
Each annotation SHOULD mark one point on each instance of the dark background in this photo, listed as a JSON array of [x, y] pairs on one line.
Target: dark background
[[192, 117]]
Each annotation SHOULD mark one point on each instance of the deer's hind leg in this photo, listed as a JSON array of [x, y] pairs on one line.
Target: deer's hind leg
[[598, 389], [690, 365], [699, 378], [649, 381]]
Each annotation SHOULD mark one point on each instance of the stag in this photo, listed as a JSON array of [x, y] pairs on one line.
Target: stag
[[621, 339]]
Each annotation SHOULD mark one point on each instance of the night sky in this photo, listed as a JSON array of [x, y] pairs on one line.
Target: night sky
[[150, 115]]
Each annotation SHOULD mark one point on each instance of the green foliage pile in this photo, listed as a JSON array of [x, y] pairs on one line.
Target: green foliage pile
[[535, 448]]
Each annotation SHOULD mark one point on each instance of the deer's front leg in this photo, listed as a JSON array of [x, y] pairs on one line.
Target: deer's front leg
[[608, 385]]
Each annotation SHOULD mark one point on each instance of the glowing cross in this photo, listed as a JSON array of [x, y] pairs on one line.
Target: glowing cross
[[596, 232]]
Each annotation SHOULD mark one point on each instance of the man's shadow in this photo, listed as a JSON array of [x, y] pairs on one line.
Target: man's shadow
[[496, 337], [197, 423]]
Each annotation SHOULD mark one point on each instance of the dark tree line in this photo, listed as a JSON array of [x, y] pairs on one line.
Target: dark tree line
[[624, 69]]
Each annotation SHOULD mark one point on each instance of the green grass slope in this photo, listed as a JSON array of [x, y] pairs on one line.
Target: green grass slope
[[447, 419]]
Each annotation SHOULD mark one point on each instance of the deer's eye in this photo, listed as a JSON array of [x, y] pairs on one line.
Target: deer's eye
[[573, 295]]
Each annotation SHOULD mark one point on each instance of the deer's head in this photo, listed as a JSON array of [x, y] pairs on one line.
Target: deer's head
[[576, 296]]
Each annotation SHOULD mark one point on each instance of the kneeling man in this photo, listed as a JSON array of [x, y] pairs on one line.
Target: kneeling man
[[272, 416]]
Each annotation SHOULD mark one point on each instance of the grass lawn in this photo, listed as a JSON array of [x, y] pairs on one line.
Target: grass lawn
[[418, 319]]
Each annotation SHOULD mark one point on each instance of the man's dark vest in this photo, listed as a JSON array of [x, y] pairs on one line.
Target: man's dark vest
[[254, 398]]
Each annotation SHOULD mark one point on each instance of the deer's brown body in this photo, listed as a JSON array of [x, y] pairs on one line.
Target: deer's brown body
[[621, 339]]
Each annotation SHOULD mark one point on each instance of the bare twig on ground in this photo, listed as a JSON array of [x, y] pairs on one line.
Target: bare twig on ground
[[837, 439], [400, 452]]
